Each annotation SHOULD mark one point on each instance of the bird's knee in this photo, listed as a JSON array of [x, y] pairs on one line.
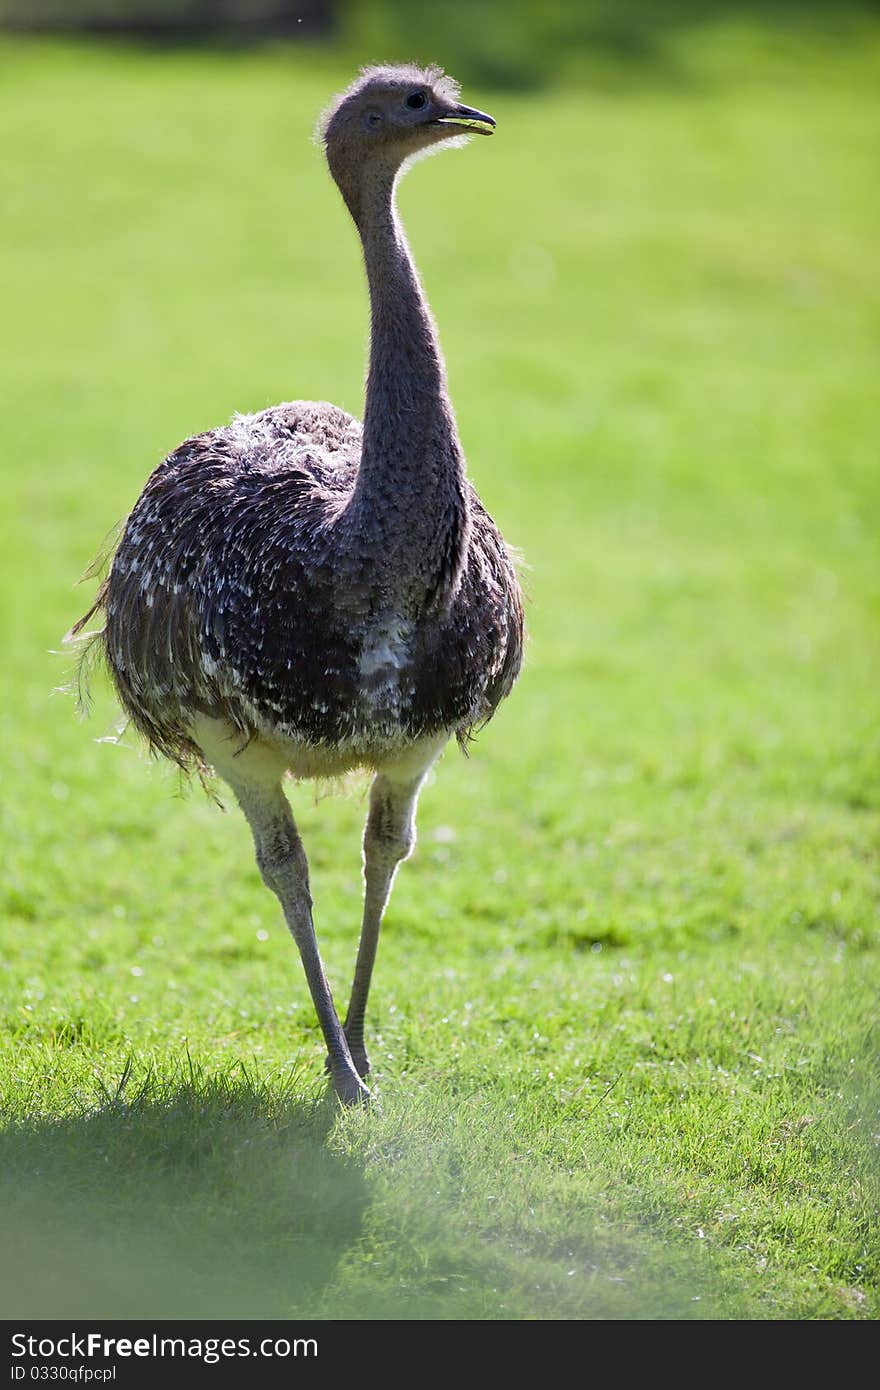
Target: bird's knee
[[401, 845], [281, 859], [389, 843]]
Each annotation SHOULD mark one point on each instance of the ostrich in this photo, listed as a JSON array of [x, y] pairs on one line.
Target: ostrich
[[299, 595]]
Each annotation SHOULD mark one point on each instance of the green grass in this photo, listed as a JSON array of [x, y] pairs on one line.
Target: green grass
[[624, 1019]]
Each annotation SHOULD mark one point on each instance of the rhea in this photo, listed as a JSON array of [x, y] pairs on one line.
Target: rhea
[[297, 595]]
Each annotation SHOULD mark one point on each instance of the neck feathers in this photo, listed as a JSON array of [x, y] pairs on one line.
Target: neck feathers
[[410, 499]]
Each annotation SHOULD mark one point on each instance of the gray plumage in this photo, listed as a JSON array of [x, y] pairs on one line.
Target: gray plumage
[[295, 593]]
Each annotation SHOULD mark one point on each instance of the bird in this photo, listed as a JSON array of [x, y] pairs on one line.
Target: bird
[[297, 594]]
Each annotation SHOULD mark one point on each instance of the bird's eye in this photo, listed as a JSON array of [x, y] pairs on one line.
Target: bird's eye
[[417, 100]]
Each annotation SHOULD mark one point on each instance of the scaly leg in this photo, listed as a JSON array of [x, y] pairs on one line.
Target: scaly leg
[[389, 838], [285, 870]]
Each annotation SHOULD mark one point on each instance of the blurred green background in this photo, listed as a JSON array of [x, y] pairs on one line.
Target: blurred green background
[[509, 43], [624, 1018]]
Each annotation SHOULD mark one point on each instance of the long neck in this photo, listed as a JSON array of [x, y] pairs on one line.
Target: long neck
[[410, 499]]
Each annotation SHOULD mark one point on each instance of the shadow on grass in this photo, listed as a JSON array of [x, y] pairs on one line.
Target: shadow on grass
[[205, 1197]]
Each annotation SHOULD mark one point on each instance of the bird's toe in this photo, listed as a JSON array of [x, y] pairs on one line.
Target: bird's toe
[[351, 1090]]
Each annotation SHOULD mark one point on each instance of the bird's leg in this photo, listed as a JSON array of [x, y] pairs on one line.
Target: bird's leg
[[283, 865], [389, 837]]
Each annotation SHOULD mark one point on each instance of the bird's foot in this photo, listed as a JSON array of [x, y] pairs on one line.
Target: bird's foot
[[350, 1089], [344, 1065]]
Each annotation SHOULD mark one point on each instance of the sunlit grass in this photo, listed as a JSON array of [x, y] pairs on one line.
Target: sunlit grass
[[624, 1019]]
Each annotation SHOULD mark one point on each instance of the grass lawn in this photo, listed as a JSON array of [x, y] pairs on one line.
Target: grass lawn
[[624, 1022]]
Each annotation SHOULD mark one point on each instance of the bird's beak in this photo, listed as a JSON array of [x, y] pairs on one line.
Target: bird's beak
[[467, 118]]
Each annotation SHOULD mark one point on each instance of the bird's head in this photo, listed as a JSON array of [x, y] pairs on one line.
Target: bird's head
[[391, 115]]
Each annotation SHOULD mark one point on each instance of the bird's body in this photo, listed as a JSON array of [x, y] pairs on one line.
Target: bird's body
[[297, 593], [237, 592]]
